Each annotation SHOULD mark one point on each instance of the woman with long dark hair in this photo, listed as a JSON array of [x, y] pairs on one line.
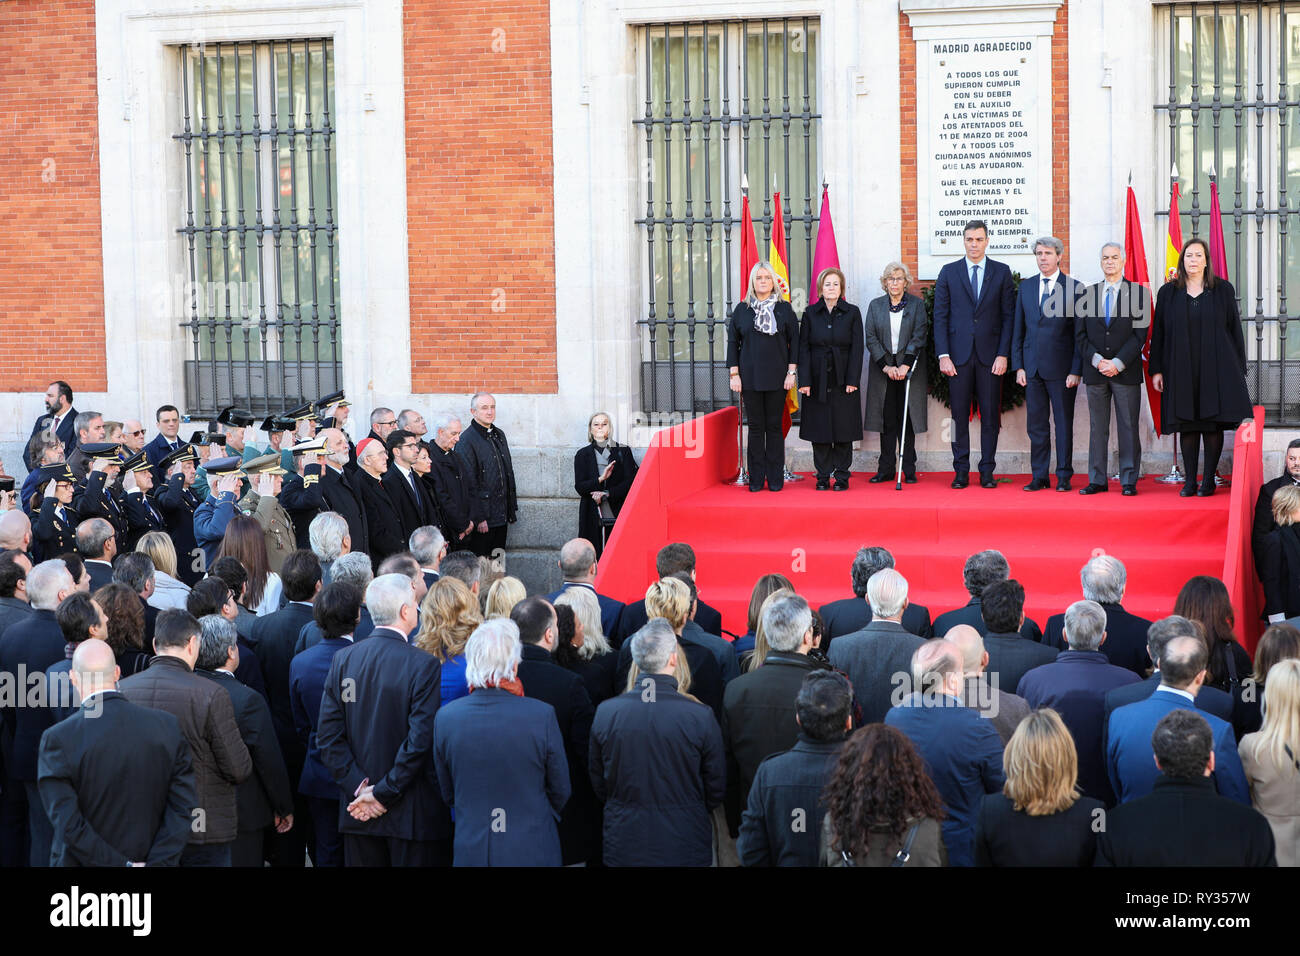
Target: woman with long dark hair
[[245, 542], [1205, 600], [879, 801], [1198, 362], [603, 471], [125, 615]]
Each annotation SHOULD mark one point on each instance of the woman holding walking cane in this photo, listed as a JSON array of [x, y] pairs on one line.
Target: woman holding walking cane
[[895, 338]]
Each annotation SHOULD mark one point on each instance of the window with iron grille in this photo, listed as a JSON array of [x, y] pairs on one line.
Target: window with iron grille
[[723, 100], [260, 232], [1231, 109]]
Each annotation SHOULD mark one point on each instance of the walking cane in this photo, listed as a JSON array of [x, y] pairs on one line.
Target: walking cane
[[742, 476], [902, 434]]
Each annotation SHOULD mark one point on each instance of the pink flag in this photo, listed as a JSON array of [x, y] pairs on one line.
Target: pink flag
[[1218, 254], [825, 255]]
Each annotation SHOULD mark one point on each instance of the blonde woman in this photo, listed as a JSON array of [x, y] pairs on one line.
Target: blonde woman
[[763, 357], [603, 471], [587, 653], [697, 669], [1271, 759], [1279, 567], [502, 596], [168, 591], [1039, 818], [448, 615]]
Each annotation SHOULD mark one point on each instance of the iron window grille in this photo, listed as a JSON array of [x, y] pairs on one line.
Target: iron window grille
[[260, 230], [721, 99]]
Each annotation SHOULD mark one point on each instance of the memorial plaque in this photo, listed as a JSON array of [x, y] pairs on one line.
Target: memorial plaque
[[984, 142]]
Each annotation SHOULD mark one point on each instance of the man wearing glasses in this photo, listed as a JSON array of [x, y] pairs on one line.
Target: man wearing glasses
[[132, 437], [382, 424], [409, 494]]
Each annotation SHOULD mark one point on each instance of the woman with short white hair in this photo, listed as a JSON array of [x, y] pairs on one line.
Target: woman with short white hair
[[895, 334]]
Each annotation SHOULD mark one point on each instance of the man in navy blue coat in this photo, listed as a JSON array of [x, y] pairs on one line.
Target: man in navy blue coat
[[375, 734], [1209, 699], [974, 306], [961, 750], [578, 565], [1128, 746], [60, 415], [500, 758], [1047, 363], [1075, 686]]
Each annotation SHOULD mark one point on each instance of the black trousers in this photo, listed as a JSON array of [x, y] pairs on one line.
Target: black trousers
[[291, 849], [1043, 397], [206, 854], [766, 452], [974, 380], [325, 821], [833, 457], [485, 545], [15, 843], [42, 831], [249, 848], [360, 850], [892, 416]]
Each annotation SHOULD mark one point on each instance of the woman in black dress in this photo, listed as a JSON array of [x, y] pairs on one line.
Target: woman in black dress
[[1198, 362], [1279, 567], [762, 357], [602, 476], [830, 367]]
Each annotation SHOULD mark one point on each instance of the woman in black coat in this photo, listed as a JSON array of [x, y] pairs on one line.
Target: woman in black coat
[[830, 367], [895, 335], [1198, 362], [603, 471], [1279, 567], [762, 356]]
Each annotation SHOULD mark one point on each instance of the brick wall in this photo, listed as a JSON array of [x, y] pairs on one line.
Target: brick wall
[[1060, 135], [51, 261], [479, 193]]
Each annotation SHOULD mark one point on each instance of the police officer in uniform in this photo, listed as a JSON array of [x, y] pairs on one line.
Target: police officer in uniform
[[142, 512], [55, 529], [262, 502], [100, 497], [178, 502], [332, 410], [280, 438]]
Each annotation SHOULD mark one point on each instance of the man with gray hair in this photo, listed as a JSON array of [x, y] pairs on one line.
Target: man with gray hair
[[450, 482], [265, 798], [1075, 685], [330, 540], [1104, 579], [1114, 317], [962, 751], [89, 427], [853, 614], [428, 546], [758, 708], [1209, 699], [97, 545], [657, 763], [874, 657], [382, 424], [375, 736], [29, 647], [1046, 361], [412, 421], [464, 566], [489, 475], [578, 565], [981, 570], [353, 569], [137, 572], [1001, 708]]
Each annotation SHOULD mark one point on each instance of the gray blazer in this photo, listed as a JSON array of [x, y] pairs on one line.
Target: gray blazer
[[872, 657], [913, 334]]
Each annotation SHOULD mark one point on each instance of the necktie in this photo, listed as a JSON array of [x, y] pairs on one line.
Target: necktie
[[1047, 289], [975, 282], [1109, 295], [410, 476]]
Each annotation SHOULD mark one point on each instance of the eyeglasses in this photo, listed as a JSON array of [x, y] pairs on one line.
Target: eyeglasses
[[137, 434], [410, 444], [393, 422]]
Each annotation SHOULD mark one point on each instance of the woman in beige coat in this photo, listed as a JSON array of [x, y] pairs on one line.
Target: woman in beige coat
[[1271, 759]]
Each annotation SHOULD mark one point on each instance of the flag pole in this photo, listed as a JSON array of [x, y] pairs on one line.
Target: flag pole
[[1175, 476], [742, 475], [786, 473]]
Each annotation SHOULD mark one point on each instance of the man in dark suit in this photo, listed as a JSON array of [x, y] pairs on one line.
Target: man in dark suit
[[59, 417], [449, 483], [1046, 361], [375, 735], [1011, 653], [29, 647], [273, 639], [565, 691], [1104, 579], [671, 558], [91, 430], [429, 547], [97, 545], [490, 474], [84, 761], [409, 494], [853, 614], [383, 522], [1075, 685], [264, 799], [167, 440], [1170, 825], [178, 503], [1003, 709], [1264, 523], [961, 750], [14, 607], [336, 489], [142, 511], [1209, 699], [1110, 327], [336, 612], [974, 305], [982, 569], [877, 659], [578, 565], [1129, 736]]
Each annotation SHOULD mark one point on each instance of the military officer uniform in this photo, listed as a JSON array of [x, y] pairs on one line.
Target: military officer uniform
[[277, 526]]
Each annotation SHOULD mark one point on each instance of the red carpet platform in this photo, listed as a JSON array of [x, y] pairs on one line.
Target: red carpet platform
[[811, 536]]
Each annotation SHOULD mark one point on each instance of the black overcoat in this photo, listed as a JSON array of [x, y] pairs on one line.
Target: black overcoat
[[586, 479], [830, 359], [1214, 388]]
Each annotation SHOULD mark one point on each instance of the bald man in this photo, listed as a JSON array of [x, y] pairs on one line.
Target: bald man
[[15, 532], [578, 565], [93, 825], [1004, 710]]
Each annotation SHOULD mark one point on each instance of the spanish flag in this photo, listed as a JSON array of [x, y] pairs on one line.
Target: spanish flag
[[1174, 238], [781, 266]]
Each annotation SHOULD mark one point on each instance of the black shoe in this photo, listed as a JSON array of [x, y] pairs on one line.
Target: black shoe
[[842, 485], [1129, 491], [1188, 490], [1062, 485], [823, 484], [1038, 484], [777, 488], [909, 479], [755, 490], [1091, 489], [1206, 490], [960, 482], [880, 476], [986, 481]]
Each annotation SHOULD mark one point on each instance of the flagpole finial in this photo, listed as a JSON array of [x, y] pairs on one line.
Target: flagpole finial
[[1173, 172], [744, 183], [1130, 178], [1212, 172]]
